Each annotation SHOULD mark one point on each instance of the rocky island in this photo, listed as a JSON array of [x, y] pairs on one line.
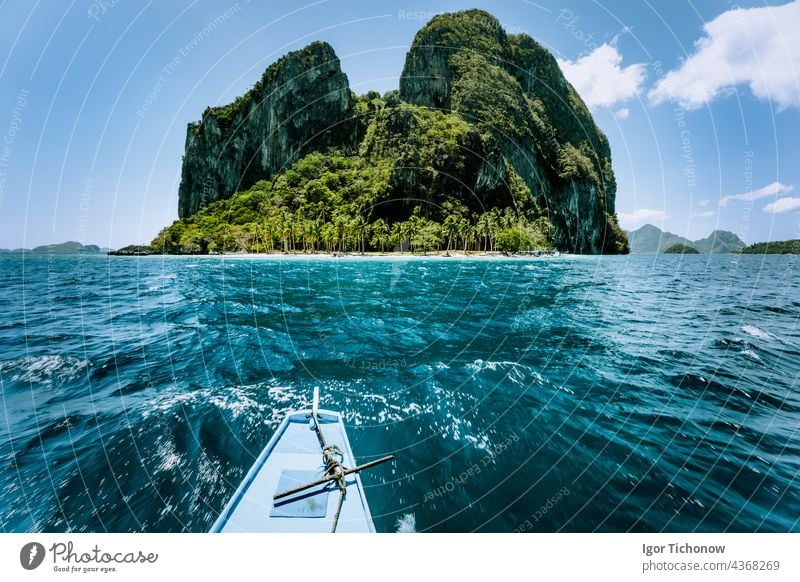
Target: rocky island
[[651, 239], [485, 146], [66, 248], [681, 249], [779, 247]]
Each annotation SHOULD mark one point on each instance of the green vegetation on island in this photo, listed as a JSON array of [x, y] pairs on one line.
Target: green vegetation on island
[[134, 251], [334, 202], [779, 247], [681, 249]]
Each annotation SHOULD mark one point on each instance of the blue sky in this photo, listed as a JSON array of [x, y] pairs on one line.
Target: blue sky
[[700, 100]]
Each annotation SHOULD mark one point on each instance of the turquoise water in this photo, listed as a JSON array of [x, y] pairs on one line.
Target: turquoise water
[[642, 393]]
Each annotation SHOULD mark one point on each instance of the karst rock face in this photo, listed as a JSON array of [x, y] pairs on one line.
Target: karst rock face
[[524, 120], [513, 90], [302, 103]]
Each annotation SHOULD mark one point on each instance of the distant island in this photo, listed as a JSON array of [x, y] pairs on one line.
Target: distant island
[[780, 247], [681, 248], [65, 248], [134, 251], [484, 147], [651, 239], [69, 247]]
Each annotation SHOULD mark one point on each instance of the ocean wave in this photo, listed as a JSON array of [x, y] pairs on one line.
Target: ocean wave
[[50, 370], [236, 400], [755, 332], [515, 372]]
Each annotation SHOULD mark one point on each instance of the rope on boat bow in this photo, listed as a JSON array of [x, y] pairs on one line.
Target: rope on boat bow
[[332, 458], [332, 454]]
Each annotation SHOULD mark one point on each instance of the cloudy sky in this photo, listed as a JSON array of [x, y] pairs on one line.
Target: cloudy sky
[[700, 100]]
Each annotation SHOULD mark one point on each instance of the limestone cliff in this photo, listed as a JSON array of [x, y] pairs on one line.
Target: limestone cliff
[[512, 89], [302, 103]]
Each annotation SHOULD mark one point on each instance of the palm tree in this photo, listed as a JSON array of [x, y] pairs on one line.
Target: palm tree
[[463, 227], [286, 229], [484, 228], [380, 234], [428, 236], [311, 233], [328, 235], [472, 236], [451, 228], [396, 235], [358, 229], [507, 219], [297, 230], [415, 225], [494, 227], [340, 223]]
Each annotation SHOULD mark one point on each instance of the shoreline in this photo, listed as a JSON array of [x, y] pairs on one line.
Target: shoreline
[[476, 255], [403, 256]]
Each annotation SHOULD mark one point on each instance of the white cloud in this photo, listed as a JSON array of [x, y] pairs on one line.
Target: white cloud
[[600, 79], [706, 214], [753, 46], [782, 205], [704, 202], [640, 216], [774, 189], [622, 113]]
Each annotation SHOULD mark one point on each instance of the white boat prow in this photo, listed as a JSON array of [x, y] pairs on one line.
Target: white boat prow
[[293, 458]]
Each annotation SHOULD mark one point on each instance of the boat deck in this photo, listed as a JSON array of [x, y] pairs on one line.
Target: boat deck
[[292, 458]]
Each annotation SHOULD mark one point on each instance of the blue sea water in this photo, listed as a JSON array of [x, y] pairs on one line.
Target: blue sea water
[[640, 393]]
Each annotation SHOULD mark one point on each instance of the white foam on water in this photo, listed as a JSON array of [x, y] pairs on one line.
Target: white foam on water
[[235, 399], [167, 455], [412, 408], [480, 442], [281, 394], [516, 371], [51, 369], [406, 524], [752, 354], [755, 332]]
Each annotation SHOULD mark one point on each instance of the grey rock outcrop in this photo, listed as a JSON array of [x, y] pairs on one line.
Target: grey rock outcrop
[[512, 88], [302, 103]]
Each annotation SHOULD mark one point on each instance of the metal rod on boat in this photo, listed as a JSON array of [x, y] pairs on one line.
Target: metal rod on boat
[[332, 477], [370, 464], [338, 512], [315, 419]]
